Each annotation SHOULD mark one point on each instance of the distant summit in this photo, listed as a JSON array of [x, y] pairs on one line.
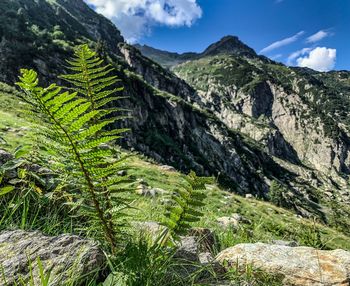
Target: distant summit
[[230, 45]]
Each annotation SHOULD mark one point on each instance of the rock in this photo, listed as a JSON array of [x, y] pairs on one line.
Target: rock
[[233, 221], [64, 255], [249, 196], [156, 192], [206, 239], [167, 168], [141, 189], [227, 222], [5, 157], [241, 218], [205, 258], [166, 202], [298, 265], [150, 228], [188, 249], [285, 243], [199, 240], [144, 190], [122, 173]]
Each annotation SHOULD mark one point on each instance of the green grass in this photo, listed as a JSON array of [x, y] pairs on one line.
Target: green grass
[[268, 221], [220, 70], [14, 127], [29, 209]]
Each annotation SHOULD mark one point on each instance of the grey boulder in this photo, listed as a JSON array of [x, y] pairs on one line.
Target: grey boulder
[[67, 257], [300, 266]]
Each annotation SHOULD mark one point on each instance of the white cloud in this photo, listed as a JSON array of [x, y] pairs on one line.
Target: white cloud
[[297, 54], [318, 36], [282, 43], [136, 18], [320, 59]]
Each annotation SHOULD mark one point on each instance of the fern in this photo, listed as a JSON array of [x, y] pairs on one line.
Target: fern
[[185, 207], [74, 128], [90, 78]]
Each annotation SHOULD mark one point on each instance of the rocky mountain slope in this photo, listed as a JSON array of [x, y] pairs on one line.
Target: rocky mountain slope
[[228, 112], [298, 116]]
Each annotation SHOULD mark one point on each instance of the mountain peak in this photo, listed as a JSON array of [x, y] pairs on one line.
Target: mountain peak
[[229, 45]]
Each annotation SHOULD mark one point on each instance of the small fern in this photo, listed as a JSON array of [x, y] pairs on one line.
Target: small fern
[[185, 207], [74, 129]]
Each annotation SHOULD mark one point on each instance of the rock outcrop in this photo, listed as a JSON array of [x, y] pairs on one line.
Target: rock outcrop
[[300, 266], [67, 257]]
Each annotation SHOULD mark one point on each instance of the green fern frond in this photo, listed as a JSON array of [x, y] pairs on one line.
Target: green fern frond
[[91, 78], [185, 206], [73, 130]]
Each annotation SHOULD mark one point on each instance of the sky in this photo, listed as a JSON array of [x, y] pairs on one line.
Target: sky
[[308, 33]]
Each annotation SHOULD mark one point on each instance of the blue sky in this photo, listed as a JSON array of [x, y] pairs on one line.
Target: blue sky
[[313, 33]]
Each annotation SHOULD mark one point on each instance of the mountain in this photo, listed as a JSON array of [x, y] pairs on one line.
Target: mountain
[[225, 112], [227, 45]]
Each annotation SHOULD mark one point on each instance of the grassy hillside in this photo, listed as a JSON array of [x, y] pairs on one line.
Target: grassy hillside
[[268, 221]]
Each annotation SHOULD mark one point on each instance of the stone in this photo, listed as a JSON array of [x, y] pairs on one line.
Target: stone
[[141, 189], [240, 218], [188, 249], [69, 257], [205, 258], [198, 241], [249, 196], [144, 190], [232, 221], [227, 222], [206, 239], [122, 173], [149, 228], [156, 192], [5, 157], [167, 168], [285, 243], [300, 266]]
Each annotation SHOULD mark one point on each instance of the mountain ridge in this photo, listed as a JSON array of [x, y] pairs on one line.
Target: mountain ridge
[[226, 45], [242, 118]]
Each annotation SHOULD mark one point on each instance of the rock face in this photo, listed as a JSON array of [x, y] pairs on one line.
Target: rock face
[[300, 266], [174, 130], [68, 257]]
